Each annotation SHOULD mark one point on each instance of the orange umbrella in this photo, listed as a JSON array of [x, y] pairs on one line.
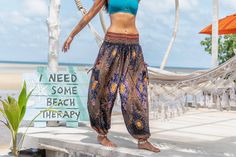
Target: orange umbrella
[[227, 25]]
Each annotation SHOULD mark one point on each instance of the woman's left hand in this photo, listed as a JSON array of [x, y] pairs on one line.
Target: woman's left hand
[[66, 45]]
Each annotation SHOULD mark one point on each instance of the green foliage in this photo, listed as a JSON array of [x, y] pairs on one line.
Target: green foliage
[[227, 44], [13, 111]]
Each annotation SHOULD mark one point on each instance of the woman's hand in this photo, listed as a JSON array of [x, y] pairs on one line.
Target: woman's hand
[[66, 45], [97, 5]]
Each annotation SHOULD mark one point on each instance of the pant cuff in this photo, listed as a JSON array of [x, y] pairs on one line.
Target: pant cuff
[[143, 137]]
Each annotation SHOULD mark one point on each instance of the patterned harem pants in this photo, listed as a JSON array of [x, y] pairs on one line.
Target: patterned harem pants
[[120, 65]]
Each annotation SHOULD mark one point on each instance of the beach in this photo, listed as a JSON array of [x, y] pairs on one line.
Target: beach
[[198, 131], [11, 74]]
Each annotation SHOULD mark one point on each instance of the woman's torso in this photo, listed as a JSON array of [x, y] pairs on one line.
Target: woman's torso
[[123, 16]]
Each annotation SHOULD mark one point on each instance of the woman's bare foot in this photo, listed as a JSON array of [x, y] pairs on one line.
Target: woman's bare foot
[[103, 140], [144, 144]]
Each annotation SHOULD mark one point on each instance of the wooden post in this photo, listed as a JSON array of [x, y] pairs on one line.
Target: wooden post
[[53, 41], [54, 34], [164, 61], [215, 28]]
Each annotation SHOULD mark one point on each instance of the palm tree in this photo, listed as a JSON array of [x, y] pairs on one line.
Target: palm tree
[[173, 35]]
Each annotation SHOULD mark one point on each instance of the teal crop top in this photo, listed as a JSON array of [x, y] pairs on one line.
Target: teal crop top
[[129, 6]]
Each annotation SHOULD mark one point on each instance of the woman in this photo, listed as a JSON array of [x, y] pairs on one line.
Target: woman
[[119, 65]]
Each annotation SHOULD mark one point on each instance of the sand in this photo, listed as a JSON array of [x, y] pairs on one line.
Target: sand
[[10, 81]]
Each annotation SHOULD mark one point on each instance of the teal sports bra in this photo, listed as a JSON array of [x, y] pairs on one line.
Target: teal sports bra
[[128, 6]]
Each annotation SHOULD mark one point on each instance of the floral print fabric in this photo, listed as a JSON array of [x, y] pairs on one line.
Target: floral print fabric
[[120, 68]]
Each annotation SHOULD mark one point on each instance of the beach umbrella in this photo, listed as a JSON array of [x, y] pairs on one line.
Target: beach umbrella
[[227, 25]]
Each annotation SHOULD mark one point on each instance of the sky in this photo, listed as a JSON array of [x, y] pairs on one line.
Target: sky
[[24, 33]]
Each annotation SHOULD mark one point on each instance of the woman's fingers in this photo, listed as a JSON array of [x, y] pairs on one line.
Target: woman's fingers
[[63, 48], [66, 45]]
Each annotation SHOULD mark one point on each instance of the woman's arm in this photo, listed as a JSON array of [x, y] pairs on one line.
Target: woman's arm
[[87, 17], [97, 5]]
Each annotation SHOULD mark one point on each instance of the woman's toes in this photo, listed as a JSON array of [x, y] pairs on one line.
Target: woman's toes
[[156, 149], [111, 144], [106, 142], [149, 147]]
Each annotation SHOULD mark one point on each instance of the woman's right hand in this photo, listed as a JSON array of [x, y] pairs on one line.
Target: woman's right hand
[[66, 45]]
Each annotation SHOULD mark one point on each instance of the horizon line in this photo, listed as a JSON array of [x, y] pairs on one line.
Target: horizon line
[[87, 64]]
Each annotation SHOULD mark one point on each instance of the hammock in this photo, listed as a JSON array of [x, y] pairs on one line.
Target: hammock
[[169, 92]]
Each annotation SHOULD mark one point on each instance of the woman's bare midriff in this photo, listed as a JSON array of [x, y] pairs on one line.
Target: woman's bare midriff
[[123, 23]]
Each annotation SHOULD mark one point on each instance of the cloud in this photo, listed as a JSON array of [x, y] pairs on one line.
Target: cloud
[[169, 5], [35, 7], [156, 20], [23, 28], [3, 30], [189, 5], [228, 4], [157, 6], [14, 18]]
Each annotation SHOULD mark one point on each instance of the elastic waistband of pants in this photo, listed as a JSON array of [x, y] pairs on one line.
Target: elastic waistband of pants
[[121, 38]]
